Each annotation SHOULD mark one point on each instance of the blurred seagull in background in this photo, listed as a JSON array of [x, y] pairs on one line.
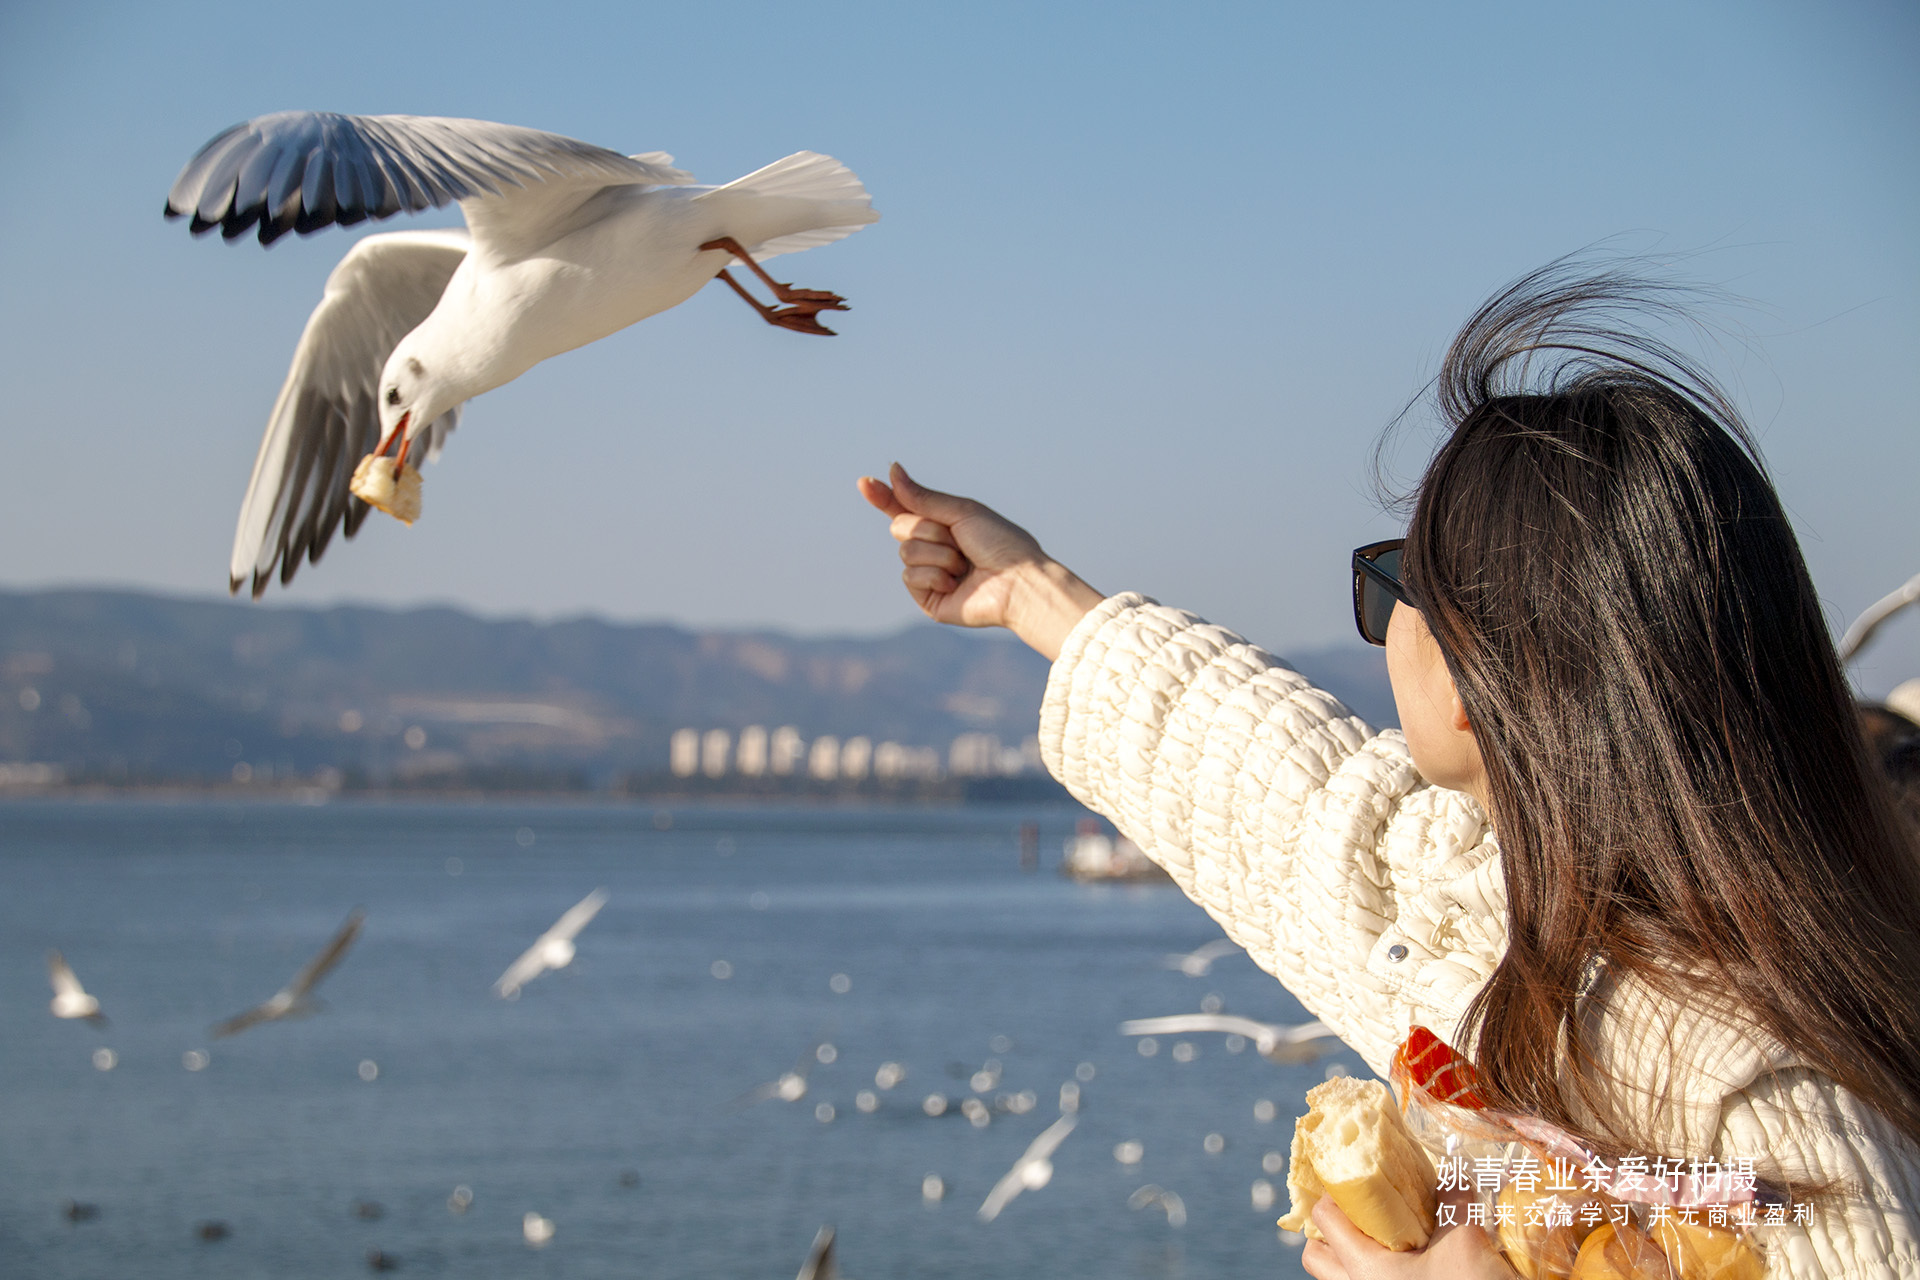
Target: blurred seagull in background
[[1879, 611], [1169, 1200], [295, 1000], [553, 949], [70, 999], [1275, 1043], [565, 243], [819, 1264], [1032, 1171], [791, 1086], [1196, 963]]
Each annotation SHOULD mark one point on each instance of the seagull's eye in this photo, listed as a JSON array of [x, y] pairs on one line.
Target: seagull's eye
[[393, 395]]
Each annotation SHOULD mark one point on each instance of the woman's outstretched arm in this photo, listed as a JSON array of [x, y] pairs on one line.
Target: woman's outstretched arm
[[969, 566], [1304, 834]]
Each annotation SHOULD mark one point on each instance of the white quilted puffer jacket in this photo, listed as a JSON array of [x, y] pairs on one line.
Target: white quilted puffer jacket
[[1378, 901]]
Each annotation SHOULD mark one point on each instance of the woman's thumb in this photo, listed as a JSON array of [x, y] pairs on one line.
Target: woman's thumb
[[920, 500]]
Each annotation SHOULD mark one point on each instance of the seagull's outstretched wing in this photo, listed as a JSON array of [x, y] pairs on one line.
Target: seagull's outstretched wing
[[304, 170], [332, 954], [530, 965], [1188, 1023], [241, 1021], [819, 1263], [570, 924], [292, 997], [1196, 963], [67, 991], [1275, 1041], [1176, 1208], [327, 416], [1043, 1147], [62, 976], [1011, 1184], [1305, 1032], [1876, 613], [1015, 1180], [791, 1086]]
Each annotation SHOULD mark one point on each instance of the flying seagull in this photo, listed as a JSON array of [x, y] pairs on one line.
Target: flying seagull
[[1876, 613], [70, 999], [1032, 1171], [819, 1264], [1152, 1193], [553, 949], [791, 1086], [1274, 1042], [295, 999], [1196, 963], [565, 243]]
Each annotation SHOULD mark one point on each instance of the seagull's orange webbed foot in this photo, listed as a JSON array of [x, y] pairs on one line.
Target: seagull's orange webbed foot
[[804, 305]]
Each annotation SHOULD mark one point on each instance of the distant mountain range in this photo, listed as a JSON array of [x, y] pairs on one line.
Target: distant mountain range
[[119, 687]]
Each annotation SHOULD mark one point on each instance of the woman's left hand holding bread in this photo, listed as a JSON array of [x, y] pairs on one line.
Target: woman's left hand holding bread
[[1348, 1253]]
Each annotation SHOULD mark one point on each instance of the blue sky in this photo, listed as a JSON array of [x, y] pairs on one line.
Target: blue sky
[[1150, 279]]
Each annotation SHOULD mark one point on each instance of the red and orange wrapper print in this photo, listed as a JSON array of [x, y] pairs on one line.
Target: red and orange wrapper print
[[1557, 1209]]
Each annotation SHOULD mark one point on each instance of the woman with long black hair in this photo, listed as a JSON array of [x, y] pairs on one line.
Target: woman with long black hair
[[1627, 853]]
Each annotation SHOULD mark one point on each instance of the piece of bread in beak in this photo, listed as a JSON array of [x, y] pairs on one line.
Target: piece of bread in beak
[[376, 484]]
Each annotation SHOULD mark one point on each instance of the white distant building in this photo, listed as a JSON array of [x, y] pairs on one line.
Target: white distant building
[[856, 754], [823, 761], [683, 752], [785, 750], [31, 775], [974, 755], [981, 755], [892, 760], [782, 752], [750, 758], [715, 747]]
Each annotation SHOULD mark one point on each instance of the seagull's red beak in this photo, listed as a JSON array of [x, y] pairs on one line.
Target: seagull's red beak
[[399, 429]]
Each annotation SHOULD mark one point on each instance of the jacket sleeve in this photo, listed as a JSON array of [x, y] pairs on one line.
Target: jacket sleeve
[[1377, 900], [1306, 835], [1708, 1081], [1802, 1123]]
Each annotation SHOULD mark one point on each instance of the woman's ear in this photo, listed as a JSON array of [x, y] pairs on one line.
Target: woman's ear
[[1459, 718]]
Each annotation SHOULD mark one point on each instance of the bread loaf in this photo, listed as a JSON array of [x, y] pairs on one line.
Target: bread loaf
[[1615, 1252], [1700, 1252], [375, 483], [1543, 1250], [1354, 1145]]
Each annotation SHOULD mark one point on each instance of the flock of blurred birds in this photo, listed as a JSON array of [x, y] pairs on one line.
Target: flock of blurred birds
[[555, 949]]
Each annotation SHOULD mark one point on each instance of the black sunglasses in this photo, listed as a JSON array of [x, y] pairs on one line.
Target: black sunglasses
[[1376, 585]]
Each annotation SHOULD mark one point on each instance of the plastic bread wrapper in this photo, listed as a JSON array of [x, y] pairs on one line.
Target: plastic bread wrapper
[[1558, 1211]]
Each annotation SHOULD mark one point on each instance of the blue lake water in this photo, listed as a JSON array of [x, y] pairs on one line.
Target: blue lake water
[[625, 1063]]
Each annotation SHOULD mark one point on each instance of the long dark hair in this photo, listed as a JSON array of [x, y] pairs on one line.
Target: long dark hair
[[1674, 769]]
